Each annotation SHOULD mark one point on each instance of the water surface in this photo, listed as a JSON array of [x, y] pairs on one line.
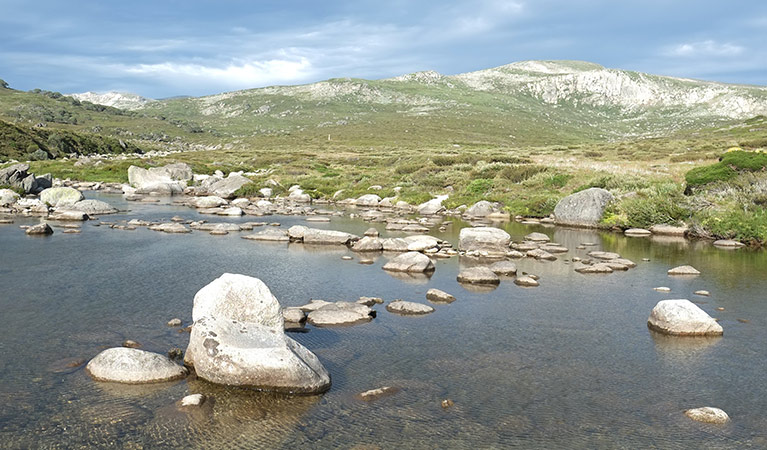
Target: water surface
[[570, 364]]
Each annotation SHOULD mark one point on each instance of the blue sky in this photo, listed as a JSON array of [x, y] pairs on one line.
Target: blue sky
[[169, 47]]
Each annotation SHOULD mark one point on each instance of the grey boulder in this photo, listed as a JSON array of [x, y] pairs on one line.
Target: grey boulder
[[92, 207], [478, 275], [492, 240], [61, 196], [582, 209]]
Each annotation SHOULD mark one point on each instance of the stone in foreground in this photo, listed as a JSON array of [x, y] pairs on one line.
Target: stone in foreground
[[410, 262], [682, 318], [238, 339], [408, 308], [478, 275], [438, 296], [684, 270], [133, 366], [708, 414]]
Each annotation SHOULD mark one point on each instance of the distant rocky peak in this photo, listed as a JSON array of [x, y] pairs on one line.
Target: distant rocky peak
[[122, 100]]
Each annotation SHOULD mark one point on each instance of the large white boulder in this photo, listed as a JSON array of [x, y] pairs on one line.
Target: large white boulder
[[8, 197], [368, 200], [169, 180], [682, 318], [492, 240], [131, 365], [60, 196], [432, 207], [238, 339], [226, 187], [582, 209]]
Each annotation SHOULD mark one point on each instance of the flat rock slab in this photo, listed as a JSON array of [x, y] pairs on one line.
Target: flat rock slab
[[541, 254], [340, 313], [173, 227], [708, 414], [478, 275], [728, 243], [637, 232], [438, 296], [682, 318], [537, 237], [594, 268], [603, 255], [133, 366], [684, 270], [269, 234], [408, 308]]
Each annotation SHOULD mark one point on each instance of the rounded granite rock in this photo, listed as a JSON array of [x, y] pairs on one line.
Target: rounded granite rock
[[133, 366]]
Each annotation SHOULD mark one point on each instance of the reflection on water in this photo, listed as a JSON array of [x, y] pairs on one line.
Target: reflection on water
[[569, 364]]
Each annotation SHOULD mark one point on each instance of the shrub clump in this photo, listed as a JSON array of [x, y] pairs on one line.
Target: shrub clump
[[731, 164]]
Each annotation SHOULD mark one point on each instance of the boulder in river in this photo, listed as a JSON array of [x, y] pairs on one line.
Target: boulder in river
[[408, 308], [492, 240], [8, 197], [226, 187], [39, 229], [368, 244], [582, 209], [482, 208], [133, 366], [684, 270], [526, 280], [682, 318], [506, 268], [238, 339], [438, 296], [478, 275], [340, 313], [368, 200], [410, 262]]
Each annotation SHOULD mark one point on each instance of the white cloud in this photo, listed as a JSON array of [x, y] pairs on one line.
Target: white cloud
[[236, 73], [483, 16], [706, 48]]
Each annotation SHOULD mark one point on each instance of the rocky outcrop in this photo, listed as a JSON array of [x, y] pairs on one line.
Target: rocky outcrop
[[238, 339], [61, 196], [682, 318], [167, 180], [414, 262], [226, 187], [493, 241], [582, 209], [133, 366]]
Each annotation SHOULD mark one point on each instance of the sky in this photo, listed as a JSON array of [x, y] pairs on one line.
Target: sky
[[168, 48]]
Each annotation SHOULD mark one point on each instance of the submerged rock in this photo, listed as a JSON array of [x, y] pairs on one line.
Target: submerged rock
[[728, 243], [410, 262], [375, 394], [708, 414], [537, 237], [131, 365], [682, 318], [172, 227], [238, 339]]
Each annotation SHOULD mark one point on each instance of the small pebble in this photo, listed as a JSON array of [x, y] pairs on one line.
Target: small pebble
[[193, 400], [720, 309], [131, 344], [662, 289], [703, 293], [447, 403], [175, 322], [347, 258]]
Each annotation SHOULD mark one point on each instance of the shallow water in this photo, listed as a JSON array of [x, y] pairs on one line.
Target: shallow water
[[570, 364]]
